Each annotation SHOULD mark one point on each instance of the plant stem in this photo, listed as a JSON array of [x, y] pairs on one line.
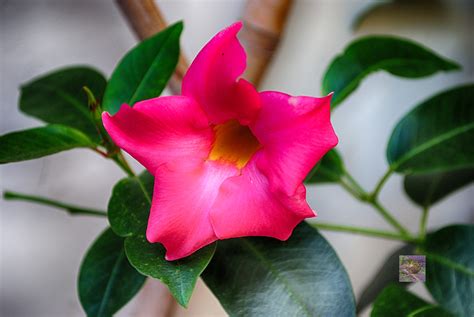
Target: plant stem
[[356, 186], [358, 192], [122, 162], [363, 231], [353, 191], [73, 210], [388, 216], [423, 221], [380, 184]]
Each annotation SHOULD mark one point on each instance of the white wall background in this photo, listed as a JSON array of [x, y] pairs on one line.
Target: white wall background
[[41, 248]]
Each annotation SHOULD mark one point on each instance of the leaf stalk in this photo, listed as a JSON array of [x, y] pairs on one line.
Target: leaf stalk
[[72, 209], [364, 231]]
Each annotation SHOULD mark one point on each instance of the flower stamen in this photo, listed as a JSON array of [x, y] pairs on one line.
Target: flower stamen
[[234, 143]]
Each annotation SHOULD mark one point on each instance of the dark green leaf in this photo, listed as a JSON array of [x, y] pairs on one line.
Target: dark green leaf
[[398, 56], [58, 98], [450, 268], [128, 212], [180, 276], [437, 135], [145, 70], [38, 142], [387, 274], [106, 280], [427, 189], [329, 170], [266, 277], [129, 205], [395, 301]]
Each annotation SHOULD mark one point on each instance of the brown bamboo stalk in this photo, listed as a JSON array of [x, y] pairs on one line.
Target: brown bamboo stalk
[[155, 300], [264, 21], [146, 20]]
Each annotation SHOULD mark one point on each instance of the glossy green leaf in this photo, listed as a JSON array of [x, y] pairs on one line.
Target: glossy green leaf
[[58, 97], [386, 274], [450, 268], [428, 189], [145, 70], [128, 212], [180, 276], [265, 277], [436, 136], [38, 142], [395, 301], [398, 56], [129, 205], [329, 170], [106, 280]]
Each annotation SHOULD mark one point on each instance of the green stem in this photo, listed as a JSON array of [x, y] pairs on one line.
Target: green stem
[[423, 222], [73, 210], [363, 231], [380, 184], [353, 191], [356, 186], [123, 164], [358, 192], [388, 216]]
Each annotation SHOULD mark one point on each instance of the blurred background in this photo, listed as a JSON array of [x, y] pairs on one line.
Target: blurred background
[[41, 248]]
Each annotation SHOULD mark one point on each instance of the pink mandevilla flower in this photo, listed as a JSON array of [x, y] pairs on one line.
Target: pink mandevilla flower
[[228, 161]]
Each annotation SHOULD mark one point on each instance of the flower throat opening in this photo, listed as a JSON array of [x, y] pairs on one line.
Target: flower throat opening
[[234, 143]]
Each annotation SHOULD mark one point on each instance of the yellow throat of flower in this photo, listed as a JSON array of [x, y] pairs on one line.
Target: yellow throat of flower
[[234, 143]]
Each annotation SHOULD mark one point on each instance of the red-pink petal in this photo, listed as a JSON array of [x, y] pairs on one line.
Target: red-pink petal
[[182, 197], [247, 206], [295, 133], [212, 79], [160, 130]]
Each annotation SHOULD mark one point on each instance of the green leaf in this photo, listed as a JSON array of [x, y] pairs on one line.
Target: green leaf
[[145, 70], [180, 276], [37, 142], [58, 98], [106, 280], [329, 170], [266, 277], [398, 56], [395, 301], [450, 268], [387, 274], [427, 189], [436, 136], [128, 212], [129, 205]]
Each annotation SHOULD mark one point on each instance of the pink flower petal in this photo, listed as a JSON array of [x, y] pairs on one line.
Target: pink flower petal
[[295, 133], [160, 130], [246, 206], [212, 79], [182, 197]]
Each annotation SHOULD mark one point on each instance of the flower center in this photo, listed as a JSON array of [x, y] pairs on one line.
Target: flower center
[[234, 143]]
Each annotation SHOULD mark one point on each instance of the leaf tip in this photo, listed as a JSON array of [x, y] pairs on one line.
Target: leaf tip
[[178, 25]]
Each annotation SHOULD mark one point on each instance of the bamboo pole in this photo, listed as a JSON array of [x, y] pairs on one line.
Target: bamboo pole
[[146, 20], [155, 300], [264, 21]]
